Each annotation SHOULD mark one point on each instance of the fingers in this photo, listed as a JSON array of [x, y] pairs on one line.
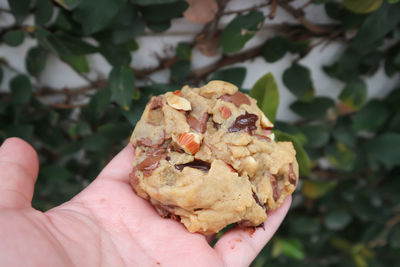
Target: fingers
[[119, 168], [239, 248], [19, 168]]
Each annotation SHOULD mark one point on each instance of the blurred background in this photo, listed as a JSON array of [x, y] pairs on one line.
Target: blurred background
[[75, 76]]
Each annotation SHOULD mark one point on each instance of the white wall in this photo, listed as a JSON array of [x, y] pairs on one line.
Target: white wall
[[59, 75]]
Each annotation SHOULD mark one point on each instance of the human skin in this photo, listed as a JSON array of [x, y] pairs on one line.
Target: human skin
[[106, 224]]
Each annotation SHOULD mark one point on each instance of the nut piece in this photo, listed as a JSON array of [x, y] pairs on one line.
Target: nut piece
[[225, 112], [178, 102], [178, 92], [190, 142], [265, 122], [250, 165]]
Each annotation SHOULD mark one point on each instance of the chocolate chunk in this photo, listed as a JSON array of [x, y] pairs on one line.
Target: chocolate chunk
[[197, 164], [151, 162], [147, 142], [258, 200], [156, 102], [237, 99], [216, 125], [263, 137], [274, 183], [292, 175], [198, 125], [245, 122]]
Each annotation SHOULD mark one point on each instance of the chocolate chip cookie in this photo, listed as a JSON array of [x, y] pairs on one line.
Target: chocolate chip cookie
[[207, 157]]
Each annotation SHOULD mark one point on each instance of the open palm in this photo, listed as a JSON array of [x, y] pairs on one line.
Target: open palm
[[106, 224]]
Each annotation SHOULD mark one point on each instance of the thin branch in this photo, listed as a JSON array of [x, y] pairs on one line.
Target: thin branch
[[273, 9], [299, 15], [5, 10], [200, 74], [239, 11]]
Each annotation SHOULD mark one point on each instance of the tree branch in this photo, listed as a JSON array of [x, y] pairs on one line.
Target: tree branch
[[299, 15]]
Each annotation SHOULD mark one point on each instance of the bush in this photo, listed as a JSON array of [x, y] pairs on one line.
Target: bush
[[346, 214]]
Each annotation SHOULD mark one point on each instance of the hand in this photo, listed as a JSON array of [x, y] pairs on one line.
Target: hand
[[106, 224]]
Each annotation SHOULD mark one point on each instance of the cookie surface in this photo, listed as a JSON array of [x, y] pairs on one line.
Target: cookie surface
[[207, 158]]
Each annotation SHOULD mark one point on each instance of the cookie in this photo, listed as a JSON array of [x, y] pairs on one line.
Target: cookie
[[207, 157]]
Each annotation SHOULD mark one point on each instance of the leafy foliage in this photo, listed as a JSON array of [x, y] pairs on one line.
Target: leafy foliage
[[345, 212]]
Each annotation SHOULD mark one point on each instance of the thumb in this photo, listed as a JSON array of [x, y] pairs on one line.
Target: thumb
[[19, 168]]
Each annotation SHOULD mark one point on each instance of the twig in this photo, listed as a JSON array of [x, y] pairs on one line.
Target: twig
[[68, 106], [5, 10], [298, 14], [200, 74], [273, 10], [239, 11]]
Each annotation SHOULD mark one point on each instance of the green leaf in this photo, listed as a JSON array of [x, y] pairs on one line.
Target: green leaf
[[297, 78], [300, 46], [116, 57], [354, 94], [301, 155], [155, 2], [371, 116], [292, 130], [385, 149], [100, 101], [115, 131], [337, 219], [133, 115], [159, 27], [19, 8], [43, 12], [21, 89], [78, 62], [180, 71], [316, 109], [24, 131], [14, 38], [317, 134], [266, 92], [304, 226], [95, 142], [69, 4], [275, 49], [233, 75], [316, 189], [122, 83], [35, 60], [183, 51], [162, 13], [95, 15], [240, 30], [377, 25], [340, 156], [55, 172], [290, 247], [362, 6], [125, 26], [343, 133]]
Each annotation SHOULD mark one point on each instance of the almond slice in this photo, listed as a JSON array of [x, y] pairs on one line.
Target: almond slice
[[265, 122], [190, 142], [178, 102]]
